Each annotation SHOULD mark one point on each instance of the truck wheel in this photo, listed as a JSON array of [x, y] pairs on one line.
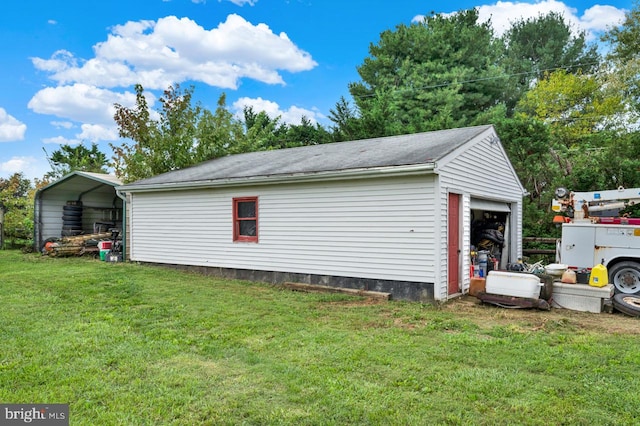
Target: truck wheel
[[625, 276], [627, 304]]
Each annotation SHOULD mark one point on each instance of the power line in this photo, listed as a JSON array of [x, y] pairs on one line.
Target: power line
[[497, 77]]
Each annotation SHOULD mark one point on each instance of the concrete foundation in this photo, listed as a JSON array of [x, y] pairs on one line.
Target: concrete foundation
[[399, 290]]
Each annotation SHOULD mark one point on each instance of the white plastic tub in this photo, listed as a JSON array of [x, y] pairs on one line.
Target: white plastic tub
[[513, 284]]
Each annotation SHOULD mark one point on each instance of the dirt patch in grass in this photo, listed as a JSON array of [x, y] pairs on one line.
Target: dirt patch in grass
[[487, 315], [357, 301]]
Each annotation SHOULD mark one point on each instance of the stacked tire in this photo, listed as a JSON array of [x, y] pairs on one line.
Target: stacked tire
[[72, 218]]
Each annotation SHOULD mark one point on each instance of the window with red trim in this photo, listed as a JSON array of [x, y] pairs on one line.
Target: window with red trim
[[245, 219]]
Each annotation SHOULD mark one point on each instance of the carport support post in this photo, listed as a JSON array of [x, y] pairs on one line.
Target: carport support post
[[123, 197]]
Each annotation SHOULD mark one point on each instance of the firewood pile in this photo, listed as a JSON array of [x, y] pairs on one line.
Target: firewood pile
[[74, 246]]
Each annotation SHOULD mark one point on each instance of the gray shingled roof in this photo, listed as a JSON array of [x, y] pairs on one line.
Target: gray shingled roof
[[403, 150]]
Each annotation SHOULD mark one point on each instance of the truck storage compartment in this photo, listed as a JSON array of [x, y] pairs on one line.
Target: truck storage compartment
[[514, 284], [580, 297]]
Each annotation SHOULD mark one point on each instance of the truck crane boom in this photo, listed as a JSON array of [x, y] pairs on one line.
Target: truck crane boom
[[588, 236]]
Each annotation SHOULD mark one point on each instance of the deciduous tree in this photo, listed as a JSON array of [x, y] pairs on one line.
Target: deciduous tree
[[182, 135], [16, 201], [573, 106]]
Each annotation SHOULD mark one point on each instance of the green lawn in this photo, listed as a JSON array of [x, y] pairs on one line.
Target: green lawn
[[126, 344]]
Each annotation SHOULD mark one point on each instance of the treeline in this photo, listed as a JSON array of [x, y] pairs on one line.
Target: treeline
[[566, 113]]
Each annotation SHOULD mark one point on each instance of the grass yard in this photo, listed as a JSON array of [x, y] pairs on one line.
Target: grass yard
[[126, 344]]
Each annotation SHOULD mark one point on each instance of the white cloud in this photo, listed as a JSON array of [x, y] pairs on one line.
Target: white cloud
[[61, 140], [80, 103], [62, 124], [157, 54], [11, 129], [504, 13], [28, 165], [601, 18], [90, 132], [173, 50], [98, 132], [60, 61], [236, 2], [292, 115]]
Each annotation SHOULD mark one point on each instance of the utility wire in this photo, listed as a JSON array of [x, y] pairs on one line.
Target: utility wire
[[475, 80]]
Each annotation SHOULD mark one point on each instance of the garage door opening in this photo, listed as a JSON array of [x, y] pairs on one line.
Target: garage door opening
[[490, 231]]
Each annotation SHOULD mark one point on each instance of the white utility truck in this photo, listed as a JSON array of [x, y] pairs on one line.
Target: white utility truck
[[593, 233]]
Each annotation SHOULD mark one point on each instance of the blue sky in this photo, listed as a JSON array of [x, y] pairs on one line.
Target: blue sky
[[65, 63]]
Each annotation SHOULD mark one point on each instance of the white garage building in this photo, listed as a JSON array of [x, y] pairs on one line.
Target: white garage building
[[390, 214]]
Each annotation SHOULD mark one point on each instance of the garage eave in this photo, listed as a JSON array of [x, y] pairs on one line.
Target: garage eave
[[407, 170]]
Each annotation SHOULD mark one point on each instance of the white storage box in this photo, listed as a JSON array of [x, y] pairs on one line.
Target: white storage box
[[514, 284], [580, 297]]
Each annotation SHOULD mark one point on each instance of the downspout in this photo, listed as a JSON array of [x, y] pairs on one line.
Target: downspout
[[124, 223]]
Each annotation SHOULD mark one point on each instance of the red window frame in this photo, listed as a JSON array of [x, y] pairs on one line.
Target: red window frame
[[237, 220]]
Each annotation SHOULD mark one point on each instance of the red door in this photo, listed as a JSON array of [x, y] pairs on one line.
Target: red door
[[453, 250]]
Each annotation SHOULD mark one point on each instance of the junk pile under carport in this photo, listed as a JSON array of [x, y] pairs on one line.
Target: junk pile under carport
[[101, 240], [74, 246], [107, 245]]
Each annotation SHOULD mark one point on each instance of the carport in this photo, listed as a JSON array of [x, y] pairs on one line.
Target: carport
[[79, 203]]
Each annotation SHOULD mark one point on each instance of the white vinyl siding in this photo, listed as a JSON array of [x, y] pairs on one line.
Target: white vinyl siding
[[465, 247], [371, 228], [483, 171], [385, 227]]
